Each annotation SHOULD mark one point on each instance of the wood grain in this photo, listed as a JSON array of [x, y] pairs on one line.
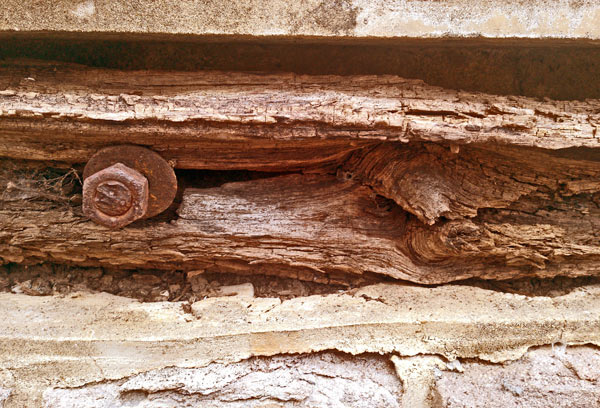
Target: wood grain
[[394, 177], [312, 227], [273, 122]]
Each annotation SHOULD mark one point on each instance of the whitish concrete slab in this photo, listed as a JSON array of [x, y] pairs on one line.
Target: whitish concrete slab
[[330, 18]]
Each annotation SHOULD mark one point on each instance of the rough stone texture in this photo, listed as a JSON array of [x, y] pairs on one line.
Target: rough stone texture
[[545, 377], [417, 378], [317, 380], [549, 376], [353, 18], [6, 385], [4, 394], [112, 338]]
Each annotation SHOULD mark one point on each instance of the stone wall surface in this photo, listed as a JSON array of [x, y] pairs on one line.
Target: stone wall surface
[[329, 18], [545, 377], [315, 380], [551, 376], [448, 346]]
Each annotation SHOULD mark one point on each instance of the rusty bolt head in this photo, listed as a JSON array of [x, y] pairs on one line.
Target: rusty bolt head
[[116, 196]]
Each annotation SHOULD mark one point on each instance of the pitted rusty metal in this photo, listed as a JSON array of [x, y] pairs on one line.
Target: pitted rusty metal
[[115, 196], [125, 183]]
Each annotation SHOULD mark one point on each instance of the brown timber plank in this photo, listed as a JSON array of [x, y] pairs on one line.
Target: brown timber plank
[[311, 227], [273, 122]]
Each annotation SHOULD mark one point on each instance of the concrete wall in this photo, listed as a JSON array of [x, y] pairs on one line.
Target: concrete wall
[[331, 18]]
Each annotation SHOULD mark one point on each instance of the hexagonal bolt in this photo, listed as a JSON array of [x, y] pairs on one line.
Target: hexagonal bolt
[[116, 196]]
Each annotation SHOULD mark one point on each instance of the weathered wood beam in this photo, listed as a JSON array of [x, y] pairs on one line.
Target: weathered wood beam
[[434, 181], [313, 227], [306, 226], [509, 190], [274, 122]]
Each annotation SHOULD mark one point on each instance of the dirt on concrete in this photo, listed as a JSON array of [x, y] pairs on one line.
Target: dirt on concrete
[[152, 286], [157, 285]]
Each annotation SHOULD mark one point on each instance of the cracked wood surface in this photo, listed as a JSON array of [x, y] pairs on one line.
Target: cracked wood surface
[[410, 181], [312, 227], [434, 181], [274, 122]]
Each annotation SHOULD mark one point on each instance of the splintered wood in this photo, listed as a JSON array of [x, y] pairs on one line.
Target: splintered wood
[[393, 177]]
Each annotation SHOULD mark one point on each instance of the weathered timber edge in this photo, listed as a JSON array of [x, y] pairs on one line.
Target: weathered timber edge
[[479, 185], [228, 120]]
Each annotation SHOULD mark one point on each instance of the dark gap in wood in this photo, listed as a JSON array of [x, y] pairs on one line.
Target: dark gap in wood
[[551, 287], [215, 178], [555, 69], [61, 183]]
